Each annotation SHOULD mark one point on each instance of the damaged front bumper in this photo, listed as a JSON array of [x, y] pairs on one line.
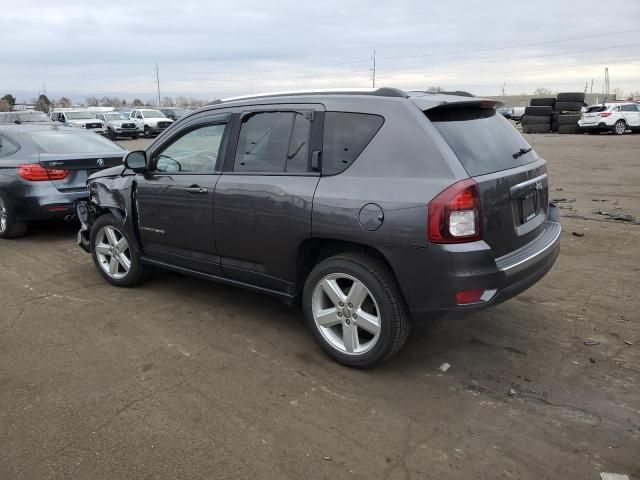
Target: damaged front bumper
[[86, 214]]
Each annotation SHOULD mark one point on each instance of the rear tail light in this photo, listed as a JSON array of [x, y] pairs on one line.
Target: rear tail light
[[604, 114], [454, 215], [34, 172]]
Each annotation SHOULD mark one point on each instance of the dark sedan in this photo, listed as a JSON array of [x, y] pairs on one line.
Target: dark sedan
[[44, 170], [27, 116]]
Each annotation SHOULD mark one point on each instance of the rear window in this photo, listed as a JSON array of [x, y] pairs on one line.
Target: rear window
[[345, 136], [596, 109], [483, 141], [72, 142]]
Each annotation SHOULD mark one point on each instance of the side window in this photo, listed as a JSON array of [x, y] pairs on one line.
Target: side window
[[194, 152], [345, 137], [139, 115], [61, 117], [298, 154], [263, 145], [7, 147], [629, 108]]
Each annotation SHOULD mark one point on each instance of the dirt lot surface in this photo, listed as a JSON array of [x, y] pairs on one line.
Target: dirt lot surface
[[181, 378]]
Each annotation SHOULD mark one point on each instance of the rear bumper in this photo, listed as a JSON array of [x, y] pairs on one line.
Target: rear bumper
[[44, 202], [594, 126], [431, 277]]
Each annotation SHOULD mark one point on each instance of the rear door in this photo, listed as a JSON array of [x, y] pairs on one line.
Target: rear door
[[512, 179], [264, 198], [631, 114], [175, 198]]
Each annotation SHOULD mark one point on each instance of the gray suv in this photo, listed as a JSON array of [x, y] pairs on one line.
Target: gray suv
[[370, 208]]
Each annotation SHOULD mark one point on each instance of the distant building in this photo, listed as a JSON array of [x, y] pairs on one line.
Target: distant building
[[523, 100]]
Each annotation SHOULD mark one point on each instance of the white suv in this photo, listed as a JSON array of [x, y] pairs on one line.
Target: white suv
[[150, 122], [611, 117]]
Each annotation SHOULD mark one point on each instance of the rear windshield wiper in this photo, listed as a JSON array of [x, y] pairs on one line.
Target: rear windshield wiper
[[521, 152]]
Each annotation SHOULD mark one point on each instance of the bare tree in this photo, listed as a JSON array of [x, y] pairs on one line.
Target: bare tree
[[435, 89], [64, 102], [4, 106], [543, 91], [137, 102], [91, 102], [167, 102]]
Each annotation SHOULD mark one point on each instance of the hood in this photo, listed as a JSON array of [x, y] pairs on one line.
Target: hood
[[84, 121], [154, 121]]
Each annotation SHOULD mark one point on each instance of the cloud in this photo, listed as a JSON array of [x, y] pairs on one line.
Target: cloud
[[214, 49]]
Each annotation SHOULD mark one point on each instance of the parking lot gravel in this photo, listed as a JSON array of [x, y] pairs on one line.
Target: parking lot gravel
[[185, 379]]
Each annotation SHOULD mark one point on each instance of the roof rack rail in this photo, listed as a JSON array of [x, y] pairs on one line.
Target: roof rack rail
[[378, 92]]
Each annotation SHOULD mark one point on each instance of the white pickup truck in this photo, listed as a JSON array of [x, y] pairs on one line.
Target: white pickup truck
[[150, 122], [80, 119]]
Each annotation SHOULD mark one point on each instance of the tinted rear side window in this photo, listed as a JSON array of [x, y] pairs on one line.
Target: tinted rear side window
[[483, 141], [345, 136]]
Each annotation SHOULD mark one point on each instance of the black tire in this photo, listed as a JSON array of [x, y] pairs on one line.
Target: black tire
[[111, 134], [571, 97], [137, 271], [135, 136], [147, 131], [554, 126], [538, 110], [10, 227], [542, 102], [569, 119], [572, 129], [384, 290], [620, 127], [567, 107], [536, 120], [536, 128]]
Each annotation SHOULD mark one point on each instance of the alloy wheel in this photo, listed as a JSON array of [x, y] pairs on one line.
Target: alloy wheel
[[112, 250], [346, 314], [4, 216], [620, 128]]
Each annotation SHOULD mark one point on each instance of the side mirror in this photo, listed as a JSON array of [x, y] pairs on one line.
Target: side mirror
[[136, 161]]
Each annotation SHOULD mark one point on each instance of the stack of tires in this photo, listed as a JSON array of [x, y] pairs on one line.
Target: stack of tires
[[537, 116], [566, 112]]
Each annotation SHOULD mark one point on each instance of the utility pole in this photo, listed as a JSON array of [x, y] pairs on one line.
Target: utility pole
[[586, 86], [591, 91], [373, 69], [158, 84], [606, 80], [503, 86]]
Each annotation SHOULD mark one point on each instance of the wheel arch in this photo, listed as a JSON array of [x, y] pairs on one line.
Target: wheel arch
[[313, 250]]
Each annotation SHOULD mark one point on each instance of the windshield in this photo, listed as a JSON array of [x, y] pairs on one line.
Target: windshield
[[33, 117], [72, 142], [483, 141], [153, 114], [116, 116], [79, 115]]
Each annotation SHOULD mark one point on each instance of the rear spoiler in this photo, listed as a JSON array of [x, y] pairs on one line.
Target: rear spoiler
[[427, 102]]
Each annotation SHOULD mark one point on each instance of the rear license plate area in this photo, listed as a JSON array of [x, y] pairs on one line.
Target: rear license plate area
[[528, 206]]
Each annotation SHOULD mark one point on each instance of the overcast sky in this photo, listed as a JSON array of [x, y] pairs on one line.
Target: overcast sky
[[212, 49]]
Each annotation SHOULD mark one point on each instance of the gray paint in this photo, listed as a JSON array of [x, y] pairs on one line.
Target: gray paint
[[253, 230]]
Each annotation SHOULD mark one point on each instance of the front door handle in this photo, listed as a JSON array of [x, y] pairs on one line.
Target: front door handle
[[196, 190]]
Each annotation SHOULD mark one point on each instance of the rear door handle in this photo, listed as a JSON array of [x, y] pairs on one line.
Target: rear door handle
[[196, 190]]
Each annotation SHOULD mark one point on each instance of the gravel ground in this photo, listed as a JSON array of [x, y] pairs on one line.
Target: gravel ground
[[185, 379]]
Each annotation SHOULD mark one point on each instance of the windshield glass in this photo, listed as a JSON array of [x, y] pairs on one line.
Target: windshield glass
[[79, 115], [33, 117], [483, 141], [116, 116], [153, 114], [72, 142]]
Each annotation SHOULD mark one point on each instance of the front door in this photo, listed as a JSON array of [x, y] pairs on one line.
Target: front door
[[175, 198], [264, 198]]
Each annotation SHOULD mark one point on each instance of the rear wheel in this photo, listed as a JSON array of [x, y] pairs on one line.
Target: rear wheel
[[355, 310], [147, 131], [113, 253], [9, 226], [620, 127], [111, 134]]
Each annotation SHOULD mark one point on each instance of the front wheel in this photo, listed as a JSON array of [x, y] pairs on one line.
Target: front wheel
[[147, 131], [113, 253], [354, 308], [620, 127], [111, 134]]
